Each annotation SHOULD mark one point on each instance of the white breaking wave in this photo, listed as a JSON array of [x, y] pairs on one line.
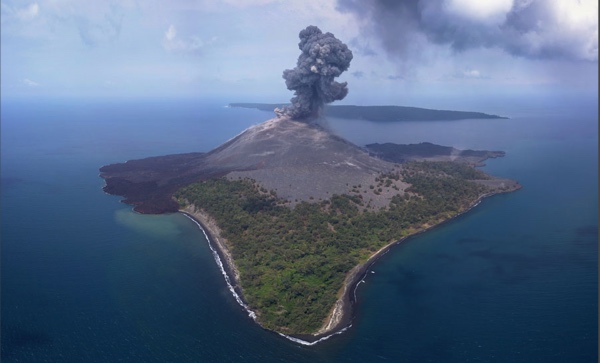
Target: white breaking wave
[[239, 300], [215, 254], [304, 342]]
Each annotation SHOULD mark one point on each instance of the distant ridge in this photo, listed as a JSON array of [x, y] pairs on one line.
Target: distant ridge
[[383, 113], [427, 151]]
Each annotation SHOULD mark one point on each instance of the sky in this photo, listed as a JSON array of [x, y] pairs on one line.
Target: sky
[[403, 51]]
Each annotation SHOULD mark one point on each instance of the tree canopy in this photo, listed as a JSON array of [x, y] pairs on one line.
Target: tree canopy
[[293, 261]]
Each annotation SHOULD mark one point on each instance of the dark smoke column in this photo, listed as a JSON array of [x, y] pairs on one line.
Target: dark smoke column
[[323, 58]]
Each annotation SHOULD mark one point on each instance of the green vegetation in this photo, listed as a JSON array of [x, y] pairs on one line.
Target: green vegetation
[[445, 168], [293, 262]]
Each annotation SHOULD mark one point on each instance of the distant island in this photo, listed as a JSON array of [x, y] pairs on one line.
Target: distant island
[[381, 113], [427, 151], [297, 214]]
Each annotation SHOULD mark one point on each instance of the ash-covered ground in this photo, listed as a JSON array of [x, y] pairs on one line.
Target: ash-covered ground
[[299, 160]]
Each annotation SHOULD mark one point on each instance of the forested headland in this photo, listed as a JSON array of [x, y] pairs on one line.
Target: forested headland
[[293, 261]]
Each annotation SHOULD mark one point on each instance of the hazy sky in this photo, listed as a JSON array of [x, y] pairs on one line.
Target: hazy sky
[[238, 49]]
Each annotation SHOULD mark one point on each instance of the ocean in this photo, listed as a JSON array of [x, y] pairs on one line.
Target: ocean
[[85, 279]]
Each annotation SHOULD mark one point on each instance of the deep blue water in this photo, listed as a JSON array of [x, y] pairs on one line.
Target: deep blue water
[[86, 279]]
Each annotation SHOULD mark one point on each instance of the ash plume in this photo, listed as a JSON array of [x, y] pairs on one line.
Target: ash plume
[[323, 58]]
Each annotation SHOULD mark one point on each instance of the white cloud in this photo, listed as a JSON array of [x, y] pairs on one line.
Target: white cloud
[[171, 33], [29, 12], [471, 73], [249, 3], [56, 21], [480, 10], [30, 83], [193, 44], [539, 28], [152, 46], [575, 26]]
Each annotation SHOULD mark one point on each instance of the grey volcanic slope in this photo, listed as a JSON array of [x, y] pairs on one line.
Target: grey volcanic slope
[[299, 160], [382, 113]]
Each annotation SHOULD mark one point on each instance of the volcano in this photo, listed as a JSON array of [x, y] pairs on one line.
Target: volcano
[[300, 160], [298, 214]]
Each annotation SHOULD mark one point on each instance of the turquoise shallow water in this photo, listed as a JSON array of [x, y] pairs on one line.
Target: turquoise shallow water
[[86, 279]]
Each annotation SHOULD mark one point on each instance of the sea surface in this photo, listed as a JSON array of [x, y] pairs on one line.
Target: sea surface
[[85, 279]]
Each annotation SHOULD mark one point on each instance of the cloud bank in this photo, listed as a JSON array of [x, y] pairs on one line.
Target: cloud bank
[[533, 29]]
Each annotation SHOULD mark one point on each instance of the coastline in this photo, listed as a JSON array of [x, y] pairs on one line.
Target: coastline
[[220, 252], [342, 313], [231, 274]]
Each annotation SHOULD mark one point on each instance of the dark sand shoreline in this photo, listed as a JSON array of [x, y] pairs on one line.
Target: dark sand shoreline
[[224, 256], [343, 312]]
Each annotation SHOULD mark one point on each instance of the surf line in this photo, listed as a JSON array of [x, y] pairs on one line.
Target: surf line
[[239, 300], [217, 258]]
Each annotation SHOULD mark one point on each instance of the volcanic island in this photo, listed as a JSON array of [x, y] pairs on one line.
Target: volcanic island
[[299, 214], [296, 214]]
